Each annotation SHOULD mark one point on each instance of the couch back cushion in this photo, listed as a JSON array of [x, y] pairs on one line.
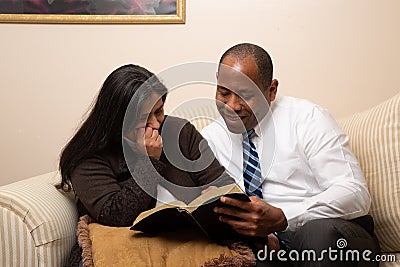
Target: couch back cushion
[[375, 140], [199, 111]]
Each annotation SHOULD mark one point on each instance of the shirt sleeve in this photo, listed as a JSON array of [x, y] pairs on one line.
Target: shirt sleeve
[[344, 193], [107, 199]]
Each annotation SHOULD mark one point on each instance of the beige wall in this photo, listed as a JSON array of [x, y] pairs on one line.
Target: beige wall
[[340, 54]]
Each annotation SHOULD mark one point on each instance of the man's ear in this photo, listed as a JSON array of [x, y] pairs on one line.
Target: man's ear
[[273, 89]]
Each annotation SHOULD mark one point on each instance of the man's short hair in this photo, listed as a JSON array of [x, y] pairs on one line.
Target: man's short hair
[[261, 57]]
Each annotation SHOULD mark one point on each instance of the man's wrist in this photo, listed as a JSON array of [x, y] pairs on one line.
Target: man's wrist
[[282, 222]]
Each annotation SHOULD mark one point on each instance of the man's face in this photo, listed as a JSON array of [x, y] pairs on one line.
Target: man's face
[[241, 99]]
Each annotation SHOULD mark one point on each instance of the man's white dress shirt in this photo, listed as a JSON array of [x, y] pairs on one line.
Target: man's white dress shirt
[[307, 166]]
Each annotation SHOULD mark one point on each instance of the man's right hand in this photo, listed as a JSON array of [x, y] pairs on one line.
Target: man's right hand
[[255, 218]]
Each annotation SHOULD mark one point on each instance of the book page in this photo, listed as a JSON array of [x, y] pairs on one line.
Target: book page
[[213, 194], [165, 220], [173, 204]]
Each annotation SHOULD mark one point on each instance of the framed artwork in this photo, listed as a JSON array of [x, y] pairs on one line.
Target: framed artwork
[[93, 11]]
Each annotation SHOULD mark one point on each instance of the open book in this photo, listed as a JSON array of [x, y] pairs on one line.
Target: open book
[[197, 214]]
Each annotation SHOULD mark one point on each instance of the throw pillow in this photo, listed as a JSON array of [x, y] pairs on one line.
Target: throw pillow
[[119, 246], [375, 140]]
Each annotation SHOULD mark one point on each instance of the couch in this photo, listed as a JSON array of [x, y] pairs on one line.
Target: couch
[[39, 222]]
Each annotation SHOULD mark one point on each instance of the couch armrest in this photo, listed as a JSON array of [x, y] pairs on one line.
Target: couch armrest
[[38, 222]]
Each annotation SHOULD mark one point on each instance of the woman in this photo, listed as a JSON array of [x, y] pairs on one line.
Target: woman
[[93, 161]]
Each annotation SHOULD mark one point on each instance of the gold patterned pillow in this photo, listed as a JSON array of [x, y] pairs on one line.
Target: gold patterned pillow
[[105, 246]]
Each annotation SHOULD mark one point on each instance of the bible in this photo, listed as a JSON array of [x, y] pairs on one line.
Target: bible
[[198, 214]]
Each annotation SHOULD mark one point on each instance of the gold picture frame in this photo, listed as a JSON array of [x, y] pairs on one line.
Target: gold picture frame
[[177, 18]]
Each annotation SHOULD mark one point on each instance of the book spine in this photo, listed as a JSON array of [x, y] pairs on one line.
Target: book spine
[[193, 220]]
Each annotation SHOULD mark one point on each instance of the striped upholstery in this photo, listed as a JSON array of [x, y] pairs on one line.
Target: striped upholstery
[[38, 223], [390, 260], [375, 139], [200, 112], [17, 244]]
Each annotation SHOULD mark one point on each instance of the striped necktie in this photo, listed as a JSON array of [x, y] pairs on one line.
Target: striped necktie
[[251, 167], [252, 172]]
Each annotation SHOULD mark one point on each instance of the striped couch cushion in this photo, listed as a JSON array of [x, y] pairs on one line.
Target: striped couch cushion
[[21, 252], [375, 139], [37, 223], [389, 260], [200, 112]]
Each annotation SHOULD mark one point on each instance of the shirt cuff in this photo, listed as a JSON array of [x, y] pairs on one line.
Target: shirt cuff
[[295, 216]]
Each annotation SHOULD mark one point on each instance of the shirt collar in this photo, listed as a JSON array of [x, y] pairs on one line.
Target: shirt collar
[[262, 124], [257, 130]]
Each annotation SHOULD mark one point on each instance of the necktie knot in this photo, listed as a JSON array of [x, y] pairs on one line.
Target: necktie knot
[[249, 134]]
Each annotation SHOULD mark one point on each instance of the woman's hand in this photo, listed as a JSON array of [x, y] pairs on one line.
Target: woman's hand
[[149, 142]]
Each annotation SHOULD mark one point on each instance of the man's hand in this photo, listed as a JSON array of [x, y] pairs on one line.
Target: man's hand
[[271, 241], [255, 218], [149, 142]]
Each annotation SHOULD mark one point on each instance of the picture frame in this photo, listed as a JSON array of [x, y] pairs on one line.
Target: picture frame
[[147, 14]]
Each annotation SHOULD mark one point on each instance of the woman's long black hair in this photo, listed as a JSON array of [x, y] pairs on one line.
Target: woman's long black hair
[[102, 129]]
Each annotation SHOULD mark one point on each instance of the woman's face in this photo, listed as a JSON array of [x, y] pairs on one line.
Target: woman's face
[[152, 115]]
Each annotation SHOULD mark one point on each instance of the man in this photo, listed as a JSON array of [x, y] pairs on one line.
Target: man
[[294, 160]]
